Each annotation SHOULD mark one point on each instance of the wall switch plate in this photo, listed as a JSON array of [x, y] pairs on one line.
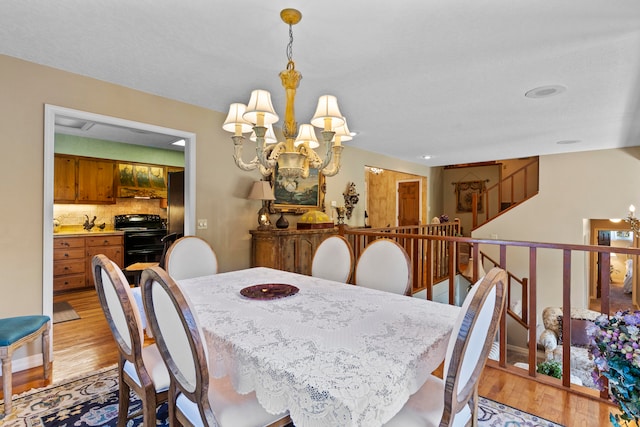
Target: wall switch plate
[[202, 224], [334, 204]]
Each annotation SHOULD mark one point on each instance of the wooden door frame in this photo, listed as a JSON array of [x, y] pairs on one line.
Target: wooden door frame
[[596, 225], [50, 113], [420, 189]]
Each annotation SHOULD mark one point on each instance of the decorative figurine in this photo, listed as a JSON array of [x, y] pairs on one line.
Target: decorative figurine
[[351, 198]]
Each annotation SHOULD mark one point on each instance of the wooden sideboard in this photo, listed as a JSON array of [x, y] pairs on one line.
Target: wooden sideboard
[[288, 250]]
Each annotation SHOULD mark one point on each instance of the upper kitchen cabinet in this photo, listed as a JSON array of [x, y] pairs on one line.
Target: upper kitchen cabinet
[[95, 181], [83, 180], [64, 172]]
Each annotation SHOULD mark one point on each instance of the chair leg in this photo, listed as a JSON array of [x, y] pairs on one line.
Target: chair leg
[[6, 384], [46, 359], [123, 398], [149, 406]]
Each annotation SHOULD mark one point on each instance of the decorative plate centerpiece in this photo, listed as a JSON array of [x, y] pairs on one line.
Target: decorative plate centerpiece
[[269, 291]]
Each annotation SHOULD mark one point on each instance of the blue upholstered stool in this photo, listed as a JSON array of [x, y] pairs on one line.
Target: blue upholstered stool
[[14, 332]]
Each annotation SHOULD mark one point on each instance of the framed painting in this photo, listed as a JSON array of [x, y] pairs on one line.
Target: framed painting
[[298, 195], [464, 195], [141, 180]]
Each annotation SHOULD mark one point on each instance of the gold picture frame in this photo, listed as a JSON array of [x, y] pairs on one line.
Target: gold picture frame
[[298, 195], [141, 180]]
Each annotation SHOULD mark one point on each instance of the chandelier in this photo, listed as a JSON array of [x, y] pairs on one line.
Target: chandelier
[[634, 222], [295, 155]]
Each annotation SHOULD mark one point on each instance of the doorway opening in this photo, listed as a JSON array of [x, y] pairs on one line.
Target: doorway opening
[[394, 198], [622, 271], [52, 113]]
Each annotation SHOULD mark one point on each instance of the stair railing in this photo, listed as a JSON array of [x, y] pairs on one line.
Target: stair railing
[[504, 195]]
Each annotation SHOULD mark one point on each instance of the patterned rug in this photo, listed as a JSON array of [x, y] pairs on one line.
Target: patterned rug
[[93, 401]]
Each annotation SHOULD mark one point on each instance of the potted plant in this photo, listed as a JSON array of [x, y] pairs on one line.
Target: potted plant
[[553, 368], [615, 346]]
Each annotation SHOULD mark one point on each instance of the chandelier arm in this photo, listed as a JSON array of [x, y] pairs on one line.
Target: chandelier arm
[[327, 136], [335, 166], [237, 155]]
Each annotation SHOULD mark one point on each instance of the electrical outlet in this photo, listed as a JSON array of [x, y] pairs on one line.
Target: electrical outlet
[[334, 204], [202, 224]]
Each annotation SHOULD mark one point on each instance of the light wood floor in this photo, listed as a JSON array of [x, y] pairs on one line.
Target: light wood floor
[[86, 345]]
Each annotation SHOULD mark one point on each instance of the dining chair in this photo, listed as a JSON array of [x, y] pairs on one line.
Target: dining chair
[[454, 400], [167, 241], [14, 333], [195, 398], [384, 265], [139, 368], [333, 260], [189, 257]]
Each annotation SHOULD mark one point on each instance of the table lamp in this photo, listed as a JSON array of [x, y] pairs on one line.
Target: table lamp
[[262, 190]]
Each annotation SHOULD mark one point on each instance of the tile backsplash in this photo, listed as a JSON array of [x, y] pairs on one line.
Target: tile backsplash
[[69, 214]]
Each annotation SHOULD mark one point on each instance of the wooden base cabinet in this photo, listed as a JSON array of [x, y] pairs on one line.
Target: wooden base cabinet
[[72, 259], [68, 263], [288, 250]]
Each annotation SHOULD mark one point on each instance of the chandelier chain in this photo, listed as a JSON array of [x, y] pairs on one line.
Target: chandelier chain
[[290, 46]]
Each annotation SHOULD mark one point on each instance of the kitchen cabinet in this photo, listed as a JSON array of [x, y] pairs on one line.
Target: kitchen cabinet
[[83, 180], [288, 250], [111, 246], [64, 171], [95, 181], [72, 259], [68, 263]]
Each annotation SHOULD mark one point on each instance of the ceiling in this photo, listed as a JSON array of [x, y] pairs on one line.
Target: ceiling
[[442, 78]]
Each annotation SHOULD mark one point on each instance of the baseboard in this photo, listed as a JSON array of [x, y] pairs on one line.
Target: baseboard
[[25, 363]]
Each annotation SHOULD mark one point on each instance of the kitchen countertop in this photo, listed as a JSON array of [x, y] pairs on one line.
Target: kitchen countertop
[[79, 231]]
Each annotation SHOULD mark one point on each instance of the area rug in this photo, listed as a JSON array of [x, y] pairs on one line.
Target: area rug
[[93, 401], [63, 312]]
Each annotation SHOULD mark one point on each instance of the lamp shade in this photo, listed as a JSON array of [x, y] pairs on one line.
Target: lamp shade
[[234, 121], [261, 190], [342, 133], [327, 114], [307, 134], [269, 137], [260, 110]]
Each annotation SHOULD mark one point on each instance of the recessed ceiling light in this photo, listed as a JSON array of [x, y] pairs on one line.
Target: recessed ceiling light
[[545, 91], [425, 157], [179, 142], [568, 141]]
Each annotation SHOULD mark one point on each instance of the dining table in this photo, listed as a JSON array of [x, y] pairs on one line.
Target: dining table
[[332, 354]]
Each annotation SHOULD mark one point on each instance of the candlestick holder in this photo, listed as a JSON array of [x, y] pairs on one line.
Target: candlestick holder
[[341, 211]]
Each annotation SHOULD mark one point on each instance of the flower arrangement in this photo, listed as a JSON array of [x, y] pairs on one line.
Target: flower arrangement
[[615, 345]]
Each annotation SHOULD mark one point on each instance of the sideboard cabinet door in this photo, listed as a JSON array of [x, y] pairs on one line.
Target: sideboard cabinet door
[[288, 250]]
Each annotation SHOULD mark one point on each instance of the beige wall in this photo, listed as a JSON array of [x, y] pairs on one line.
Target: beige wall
[[450, 176], [221, 188], [574, 188]]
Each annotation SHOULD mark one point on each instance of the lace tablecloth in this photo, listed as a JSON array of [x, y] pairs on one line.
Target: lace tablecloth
[[332, 354]]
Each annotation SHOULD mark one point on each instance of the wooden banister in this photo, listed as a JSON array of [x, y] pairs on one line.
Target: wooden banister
[[433, 251]]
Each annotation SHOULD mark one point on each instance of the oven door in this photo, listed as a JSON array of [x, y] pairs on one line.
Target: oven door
[[143, 246]]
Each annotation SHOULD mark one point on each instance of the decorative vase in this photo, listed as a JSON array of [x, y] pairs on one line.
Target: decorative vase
[[282, 221]]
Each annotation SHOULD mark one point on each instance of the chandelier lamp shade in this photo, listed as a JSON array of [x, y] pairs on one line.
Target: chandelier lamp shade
[[296, 154]]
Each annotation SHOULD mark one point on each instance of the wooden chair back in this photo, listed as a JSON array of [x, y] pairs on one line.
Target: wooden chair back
[[116, 299], [144, 374], [470, 344], [384, 265], [333, 260], [189, 257], [179, 339]]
